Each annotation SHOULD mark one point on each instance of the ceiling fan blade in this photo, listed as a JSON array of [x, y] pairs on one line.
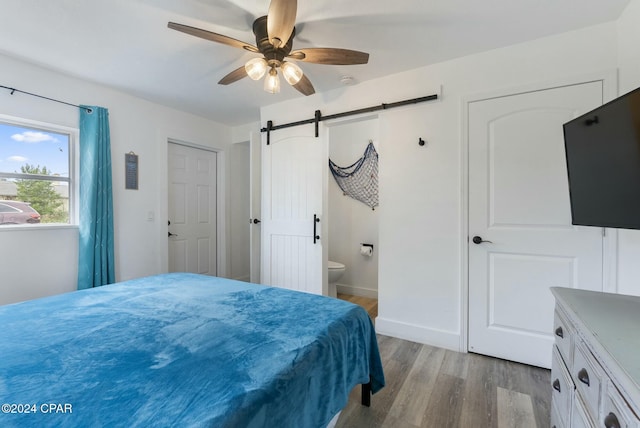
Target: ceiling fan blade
[[280, 21], [214, 37], [304, 86], [331, 56], [234, 76]]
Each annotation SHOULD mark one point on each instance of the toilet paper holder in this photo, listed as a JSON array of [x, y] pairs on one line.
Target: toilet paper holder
[[366, 250]]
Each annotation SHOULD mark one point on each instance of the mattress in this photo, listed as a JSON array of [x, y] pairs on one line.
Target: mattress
[[183, 350]]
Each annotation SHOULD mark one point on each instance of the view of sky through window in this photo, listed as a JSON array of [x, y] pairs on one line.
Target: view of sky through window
[[20, 146]]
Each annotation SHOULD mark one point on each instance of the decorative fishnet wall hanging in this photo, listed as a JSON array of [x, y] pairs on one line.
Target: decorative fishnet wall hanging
[[360, 180]]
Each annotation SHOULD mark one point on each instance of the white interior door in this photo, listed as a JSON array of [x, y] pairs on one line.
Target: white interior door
[[519, 205], [292, 194], [192, 210], [255, 228]]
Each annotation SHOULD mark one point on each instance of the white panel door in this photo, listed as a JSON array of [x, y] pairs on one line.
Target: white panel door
[[192, 210], [255, 229], [519, 205], [292, 193]]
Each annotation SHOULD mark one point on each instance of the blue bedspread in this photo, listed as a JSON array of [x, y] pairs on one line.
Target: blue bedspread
[[183, 350]]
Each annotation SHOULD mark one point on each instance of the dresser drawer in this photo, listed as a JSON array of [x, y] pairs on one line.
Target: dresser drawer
[[557, 421], [562, 388], [579, 416], [616, 412], [563, 332], [589, 379], [604, 364]]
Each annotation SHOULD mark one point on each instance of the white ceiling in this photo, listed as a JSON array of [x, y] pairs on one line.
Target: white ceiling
[[126, 43]]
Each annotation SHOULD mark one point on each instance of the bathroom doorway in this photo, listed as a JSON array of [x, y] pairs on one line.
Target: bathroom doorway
[[239, 212], [244, 209], [352, 224]]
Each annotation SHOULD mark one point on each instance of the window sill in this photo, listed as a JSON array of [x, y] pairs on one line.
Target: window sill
[[30, 227]]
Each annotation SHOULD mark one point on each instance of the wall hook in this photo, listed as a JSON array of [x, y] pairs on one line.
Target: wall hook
[[421, 142]]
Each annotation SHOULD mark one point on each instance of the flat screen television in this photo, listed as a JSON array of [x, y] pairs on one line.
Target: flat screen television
[[603, 163]]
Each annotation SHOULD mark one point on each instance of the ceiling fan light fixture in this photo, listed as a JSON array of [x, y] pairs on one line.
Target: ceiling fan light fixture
[[256, 68], [291, 72], [274, 35], [272, 82]]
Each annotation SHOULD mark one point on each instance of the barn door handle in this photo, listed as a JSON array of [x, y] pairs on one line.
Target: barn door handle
[[316, 220]]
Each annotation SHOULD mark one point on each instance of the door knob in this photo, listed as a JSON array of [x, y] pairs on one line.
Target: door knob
[[256, 221], [172, 234], [479, 240]]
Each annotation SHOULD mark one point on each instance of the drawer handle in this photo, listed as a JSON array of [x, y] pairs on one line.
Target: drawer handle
[[583, 376], [556, 385], [559, 332], [611, 421]]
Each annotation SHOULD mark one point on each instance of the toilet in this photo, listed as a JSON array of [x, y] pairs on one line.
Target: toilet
[[336, 270]]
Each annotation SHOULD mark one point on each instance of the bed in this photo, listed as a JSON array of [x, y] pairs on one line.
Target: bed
[[183, 350]]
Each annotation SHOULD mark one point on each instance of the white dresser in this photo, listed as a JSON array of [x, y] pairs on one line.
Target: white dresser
[[595, 372]]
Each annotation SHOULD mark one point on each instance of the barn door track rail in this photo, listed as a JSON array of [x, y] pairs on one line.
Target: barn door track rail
[[318, 117]]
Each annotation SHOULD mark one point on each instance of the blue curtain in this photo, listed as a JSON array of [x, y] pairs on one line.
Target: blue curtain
[[96, 265]]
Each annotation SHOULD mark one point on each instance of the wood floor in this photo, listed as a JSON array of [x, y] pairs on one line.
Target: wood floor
[[370, 305], [435, 387]]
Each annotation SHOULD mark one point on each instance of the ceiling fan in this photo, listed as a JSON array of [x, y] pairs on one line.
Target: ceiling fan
[[274, 41]]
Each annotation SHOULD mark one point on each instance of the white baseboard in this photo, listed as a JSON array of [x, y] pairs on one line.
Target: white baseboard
[[419, 334], [357, 291], [244, 278]]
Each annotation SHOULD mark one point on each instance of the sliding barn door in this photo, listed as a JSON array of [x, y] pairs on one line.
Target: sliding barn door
[[521, 239], [293, 171]]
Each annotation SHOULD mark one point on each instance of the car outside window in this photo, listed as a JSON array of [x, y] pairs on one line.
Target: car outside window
[[37, 183]]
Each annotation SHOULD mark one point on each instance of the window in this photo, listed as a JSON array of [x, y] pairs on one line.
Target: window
[[36, 173]]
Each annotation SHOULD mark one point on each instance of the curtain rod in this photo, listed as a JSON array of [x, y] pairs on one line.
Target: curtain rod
[[319, 118], [13, 90]]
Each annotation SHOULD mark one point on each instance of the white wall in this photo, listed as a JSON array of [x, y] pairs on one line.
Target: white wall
[[421, 243], [629, 66], [41, 262], [241, 133], [350, 221]]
